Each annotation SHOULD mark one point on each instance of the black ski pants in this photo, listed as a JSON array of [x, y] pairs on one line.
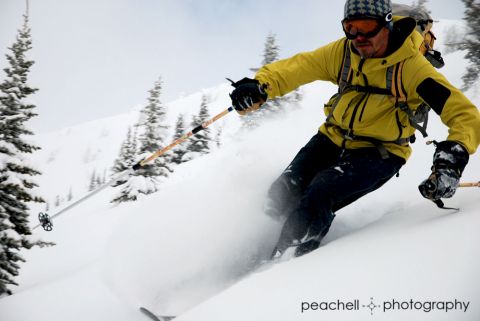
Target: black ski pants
[[321, 179]]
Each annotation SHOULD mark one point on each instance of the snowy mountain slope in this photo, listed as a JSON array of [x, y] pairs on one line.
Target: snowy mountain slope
[[413, 252], [205, 229]]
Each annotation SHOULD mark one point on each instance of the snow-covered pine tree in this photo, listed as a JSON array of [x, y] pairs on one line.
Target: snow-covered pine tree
[[453, 37], [152, 137], [270, 54], [16, 184], [127, 155], [155, 134], [190, 154], [57, 201], [270, 50], [180, 150], [218, 137], [420, 5], [70, 194], [98, 181], [472, 42], [204, 137], [199, 144], [93, 181]]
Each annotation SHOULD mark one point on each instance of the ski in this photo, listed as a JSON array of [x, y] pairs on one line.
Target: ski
[[155, 317]]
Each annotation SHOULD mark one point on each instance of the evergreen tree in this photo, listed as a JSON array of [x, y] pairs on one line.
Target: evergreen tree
[[153, 137], [190, 152], [127, 155], [270, 55], [181, 149], [199, 144], [420, 5], [472, 42], [70, 194], [57, 201], [454, 38], [98, 181], [271, 49], [218, 137], [155, 133], [104, 176], [16, 182], [93, 181]]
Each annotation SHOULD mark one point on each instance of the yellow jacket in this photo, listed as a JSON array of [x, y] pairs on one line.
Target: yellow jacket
[[376, 115]]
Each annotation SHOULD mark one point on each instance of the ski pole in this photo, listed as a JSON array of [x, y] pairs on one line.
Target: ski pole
[[181, 139], [474, 184], [46, 220], [440, 203]]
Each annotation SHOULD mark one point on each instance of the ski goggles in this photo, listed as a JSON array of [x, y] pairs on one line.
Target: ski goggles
[[367, 28]]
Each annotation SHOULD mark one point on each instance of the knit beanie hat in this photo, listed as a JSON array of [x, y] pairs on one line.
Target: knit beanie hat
[[377, 9]]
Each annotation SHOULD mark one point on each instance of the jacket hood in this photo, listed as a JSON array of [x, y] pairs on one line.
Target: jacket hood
[[404, 42]]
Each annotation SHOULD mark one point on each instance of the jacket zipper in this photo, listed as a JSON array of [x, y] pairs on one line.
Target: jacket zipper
[[363, 108], [355, 110]]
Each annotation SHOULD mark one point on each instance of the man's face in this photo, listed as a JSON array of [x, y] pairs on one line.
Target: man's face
[[374, 47], [369, 36]]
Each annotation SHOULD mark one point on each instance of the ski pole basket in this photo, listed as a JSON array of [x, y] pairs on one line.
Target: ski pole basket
[[45, 221]]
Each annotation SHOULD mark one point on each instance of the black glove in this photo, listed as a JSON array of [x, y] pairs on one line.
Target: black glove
[[449, 161], [435, 58], [248, 95]]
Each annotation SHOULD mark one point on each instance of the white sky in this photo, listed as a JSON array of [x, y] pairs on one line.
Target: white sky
[[96, 58]]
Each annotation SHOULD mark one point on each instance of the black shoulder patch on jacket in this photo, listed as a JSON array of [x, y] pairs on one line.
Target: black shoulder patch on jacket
[[434, 94]]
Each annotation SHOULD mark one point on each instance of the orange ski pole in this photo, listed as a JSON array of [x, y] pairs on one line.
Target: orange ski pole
[[477, 184], [46, 220], [181, 139]]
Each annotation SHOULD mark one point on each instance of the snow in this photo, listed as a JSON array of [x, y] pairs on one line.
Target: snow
[[189, 248]]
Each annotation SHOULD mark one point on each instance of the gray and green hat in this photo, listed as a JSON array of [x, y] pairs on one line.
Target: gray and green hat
[[377, 9]]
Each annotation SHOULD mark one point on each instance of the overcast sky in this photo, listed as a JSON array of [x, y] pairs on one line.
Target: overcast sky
[[96, 58]]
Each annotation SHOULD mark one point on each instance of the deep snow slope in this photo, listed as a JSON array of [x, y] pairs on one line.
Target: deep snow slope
[[396, 255], [189, 248]]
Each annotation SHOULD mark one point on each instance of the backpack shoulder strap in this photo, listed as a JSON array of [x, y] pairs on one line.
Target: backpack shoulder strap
[[395, 85], [345, 72], [394, 82]]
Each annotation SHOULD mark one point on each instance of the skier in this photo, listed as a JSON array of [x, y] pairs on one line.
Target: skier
[[385, 86]]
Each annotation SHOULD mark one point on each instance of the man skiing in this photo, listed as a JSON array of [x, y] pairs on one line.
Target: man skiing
[[385, 85]]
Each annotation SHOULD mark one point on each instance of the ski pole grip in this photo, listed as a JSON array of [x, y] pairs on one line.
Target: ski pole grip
[[137, 166], [197, 129]]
